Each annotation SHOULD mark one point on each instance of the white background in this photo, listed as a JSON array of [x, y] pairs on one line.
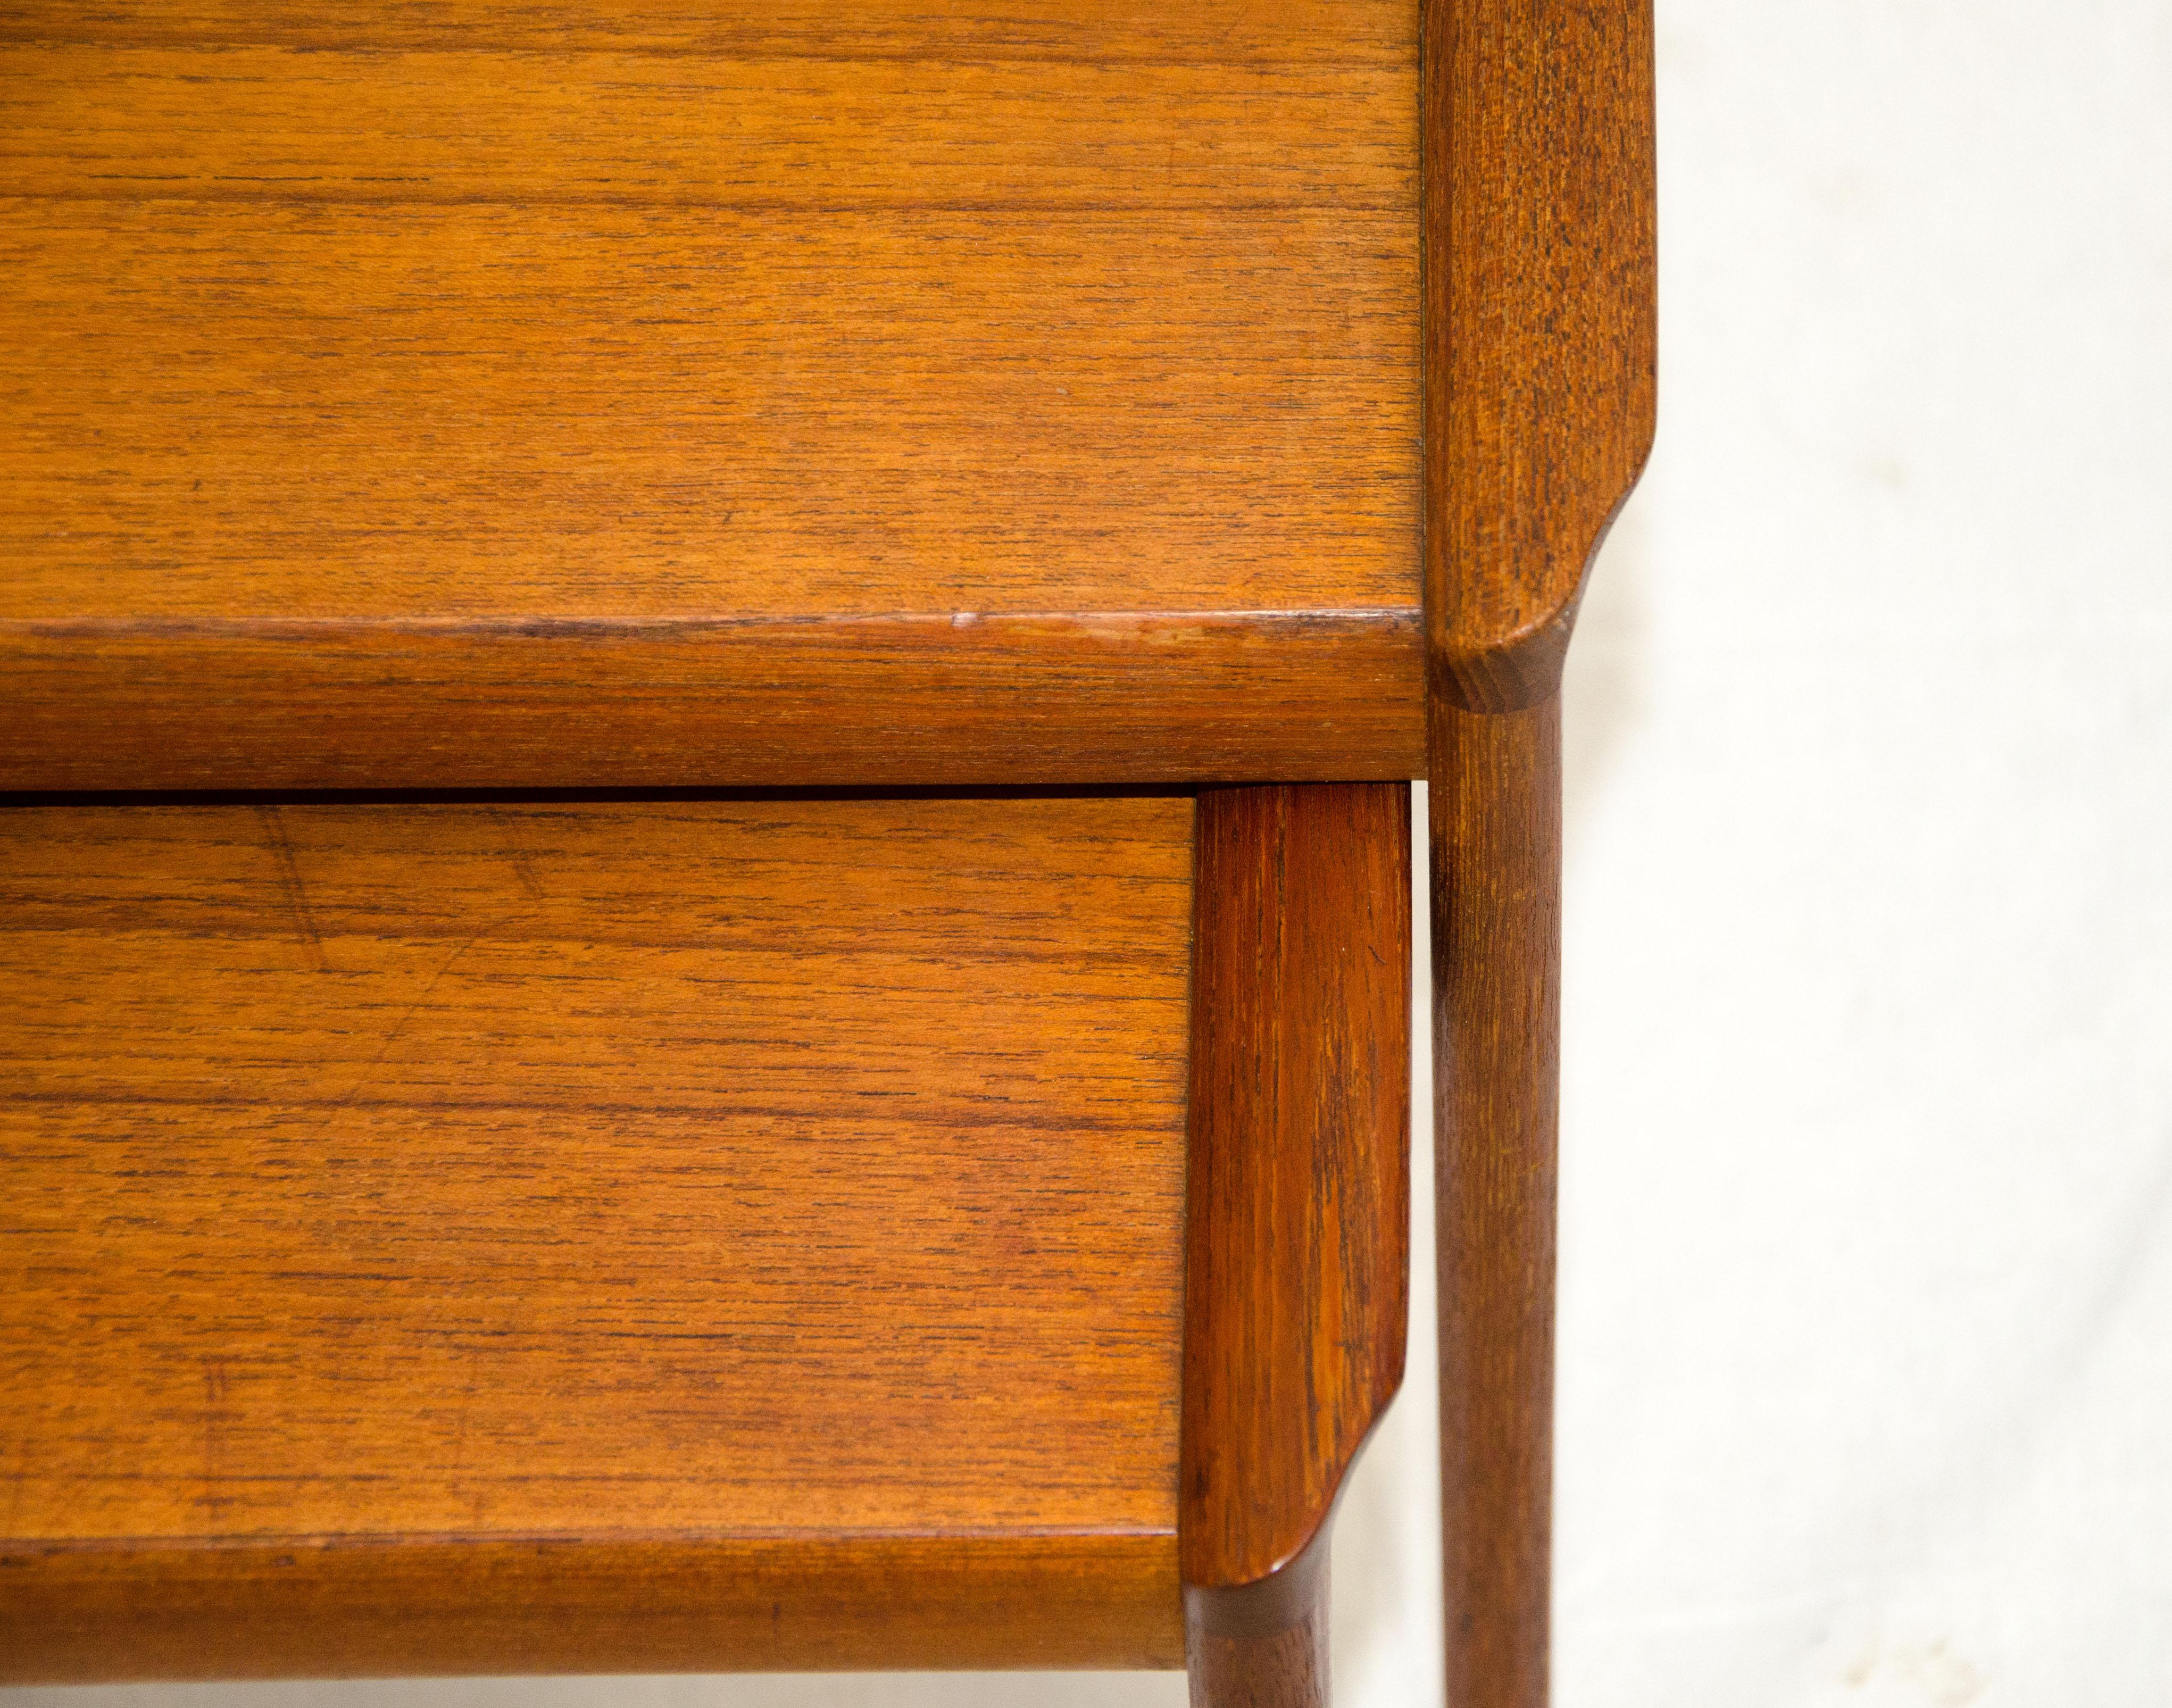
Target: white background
[[1866, 1333]]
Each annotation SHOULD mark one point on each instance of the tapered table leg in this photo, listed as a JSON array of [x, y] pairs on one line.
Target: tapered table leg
[[1539, 327], [1495, 833]]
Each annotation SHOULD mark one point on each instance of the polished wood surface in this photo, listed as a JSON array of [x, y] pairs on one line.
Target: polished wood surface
[[766, 379], [1263, 1645], [893, 702], [1540, 328], [1496, 827], [385, 1607], [640, 1220], [1540, 358], [1299, 1194]]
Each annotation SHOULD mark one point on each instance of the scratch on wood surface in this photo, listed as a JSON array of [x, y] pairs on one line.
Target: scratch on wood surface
[[523, 862], [290, 882], [399, 1025]]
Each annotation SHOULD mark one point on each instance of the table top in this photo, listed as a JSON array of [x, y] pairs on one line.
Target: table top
[[700, 1180], [795, 384]]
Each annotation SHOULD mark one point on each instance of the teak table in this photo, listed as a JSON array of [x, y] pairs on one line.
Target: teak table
[[704, 905]]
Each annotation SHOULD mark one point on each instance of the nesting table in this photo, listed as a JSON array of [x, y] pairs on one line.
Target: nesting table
[[705, 874]]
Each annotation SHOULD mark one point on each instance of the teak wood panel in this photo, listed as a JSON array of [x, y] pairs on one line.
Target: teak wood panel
[[1298, 1209], [630, 1223], [1297, 1212], [509, 337], [1540, 324], [389, 1608], [884, 701]]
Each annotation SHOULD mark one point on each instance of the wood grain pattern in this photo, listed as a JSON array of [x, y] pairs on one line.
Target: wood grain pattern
[[1496, 830], [894, 701], [749, 1187], [1298, 1195], [543, 325], [1263, 1645], [374, 1608], [1539, 355], [1540, 328]]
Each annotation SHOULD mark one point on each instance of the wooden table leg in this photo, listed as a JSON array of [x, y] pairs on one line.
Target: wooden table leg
[[1538, 328], [1495, 833], [1262, 1644], [1297, 1212]]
